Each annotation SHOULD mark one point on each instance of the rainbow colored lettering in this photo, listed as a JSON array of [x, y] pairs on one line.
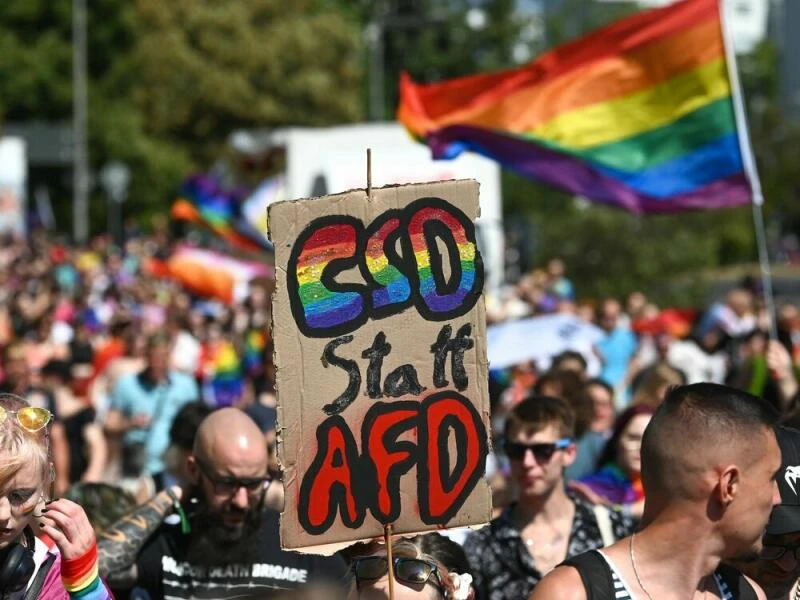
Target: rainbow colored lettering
[[462, 253], [395, 287], [393, 281], [327, 247]]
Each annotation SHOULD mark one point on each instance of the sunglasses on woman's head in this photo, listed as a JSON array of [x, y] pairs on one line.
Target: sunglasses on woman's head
[[415, 571], [30, 418], [542, 452]]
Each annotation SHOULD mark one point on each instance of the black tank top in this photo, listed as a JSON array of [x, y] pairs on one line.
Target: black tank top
[[601, 582]]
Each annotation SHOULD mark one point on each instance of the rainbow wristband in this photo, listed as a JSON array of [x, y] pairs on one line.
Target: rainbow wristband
[[78, 573], [76, 585]]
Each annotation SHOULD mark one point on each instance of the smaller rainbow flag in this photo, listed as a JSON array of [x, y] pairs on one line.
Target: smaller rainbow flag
[[211, 274], [225, 385], [638, 115], [203, 201], [255, 343]]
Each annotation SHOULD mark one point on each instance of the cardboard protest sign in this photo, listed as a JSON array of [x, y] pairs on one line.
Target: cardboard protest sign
[[378, 324]]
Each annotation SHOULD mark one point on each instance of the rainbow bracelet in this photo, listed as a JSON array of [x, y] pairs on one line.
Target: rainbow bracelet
[[81, 578]]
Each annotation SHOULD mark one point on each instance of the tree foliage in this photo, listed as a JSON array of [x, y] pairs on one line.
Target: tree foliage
[[169, 81], [204, 69], [433, 40]]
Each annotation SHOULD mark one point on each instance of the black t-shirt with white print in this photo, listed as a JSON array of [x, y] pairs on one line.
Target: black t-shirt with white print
[[164, 572]]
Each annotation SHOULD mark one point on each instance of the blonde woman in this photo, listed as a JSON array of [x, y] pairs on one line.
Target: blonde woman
[[27, 568]]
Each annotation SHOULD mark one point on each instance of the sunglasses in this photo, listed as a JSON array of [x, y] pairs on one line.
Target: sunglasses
[[414, 571], [769, 552], [228, 486], [30, 418], [542, 452]]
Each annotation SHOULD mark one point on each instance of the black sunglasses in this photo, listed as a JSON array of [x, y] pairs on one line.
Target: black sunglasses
[[542, 452], [228, 486], [415, 571], [770, 552]]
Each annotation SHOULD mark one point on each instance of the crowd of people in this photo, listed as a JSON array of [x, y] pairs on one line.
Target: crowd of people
[[138, 442]]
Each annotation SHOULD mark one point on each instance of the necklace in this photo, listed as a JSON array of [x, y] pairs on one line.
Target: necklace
[[636, 571], [644, 589], [557, 538], [557, 530]]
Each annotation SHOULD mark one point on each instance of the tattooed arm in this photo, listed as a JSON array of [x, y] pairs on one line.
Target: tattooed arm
[[119, 545]]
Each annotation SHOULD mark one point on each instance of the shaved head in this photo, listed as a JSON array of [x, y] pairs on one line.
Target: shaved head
[[229, 471], [229, 439], [699, 427]]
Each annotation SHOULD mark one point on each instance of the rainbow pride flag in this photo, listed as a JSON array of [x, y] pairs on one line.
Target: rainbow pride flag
[[203, 201], [255, 342], [637, 115], [225, 386]]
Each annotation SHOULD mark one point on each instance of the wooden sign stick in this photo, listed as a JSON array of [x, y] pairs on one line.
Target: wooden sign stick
[[369, 173], [387, 536]]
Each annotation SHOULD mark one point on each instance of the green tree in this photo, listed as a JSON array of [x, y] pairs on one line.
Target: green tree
[[205, 68], [169, 81], [434, 40], [775, 136]]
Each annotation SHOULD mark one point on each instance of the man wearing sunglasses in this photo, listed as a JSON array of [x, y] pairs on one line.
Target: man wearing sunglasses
[[778, 568], [546, 525], [221, 540]]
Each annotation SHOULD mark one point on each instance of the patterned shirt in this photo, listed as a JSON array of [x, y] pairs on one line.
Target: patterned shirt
[[502, 566]]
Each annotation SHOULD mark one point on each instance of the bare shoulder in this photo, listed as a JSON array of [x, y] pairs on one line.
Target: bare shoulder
[[563, 583], [759, 592]]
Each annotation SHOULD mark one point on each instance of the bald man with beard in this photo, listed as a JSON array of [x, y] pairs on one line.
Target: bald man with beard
[[226, 543], [709, 465]]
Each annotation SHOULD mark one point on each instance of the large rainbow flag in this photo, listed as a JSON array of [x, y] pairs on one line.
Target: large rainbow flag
[[637, 115]]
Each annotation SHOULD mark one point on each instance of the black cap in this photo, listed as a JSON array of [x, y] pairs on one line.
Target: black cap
[[264, 416], [786, 516]]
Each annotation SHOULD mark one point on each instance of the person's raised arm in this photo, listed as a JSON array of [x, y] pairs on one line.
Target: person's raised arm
[[97, 452], [779, 361], [60, 450], [119, 545]]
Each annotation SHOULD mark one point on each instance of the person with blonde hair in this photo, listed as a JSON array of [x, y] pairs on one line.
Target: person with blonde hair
[[27, 568], [653, 386]]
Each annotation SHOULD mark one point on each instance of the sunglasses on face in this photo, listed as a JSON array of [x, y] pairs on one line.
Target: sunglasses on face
[[228, 486], [30, 418], [415, 571], [542, 452], [770, 552]]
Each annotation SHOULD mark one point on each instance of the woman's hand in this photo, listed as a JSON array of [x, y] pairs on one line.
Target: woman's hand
[[68, 526], [779, 362]]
